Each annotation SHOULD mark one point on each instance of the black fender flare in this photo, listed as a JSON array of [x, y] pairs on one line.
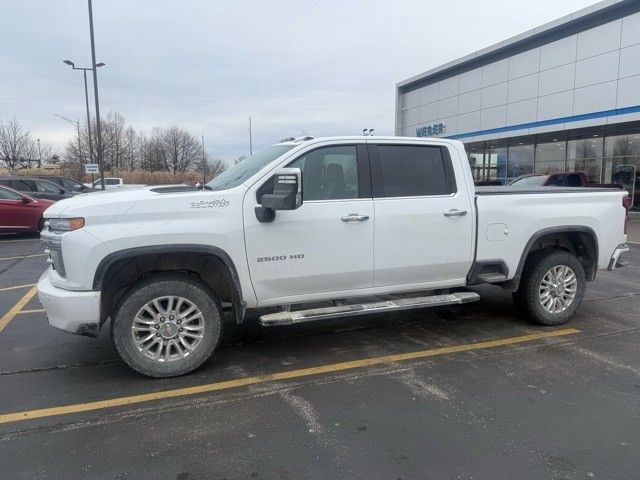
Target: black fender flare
[[239, 305], [515, 281]]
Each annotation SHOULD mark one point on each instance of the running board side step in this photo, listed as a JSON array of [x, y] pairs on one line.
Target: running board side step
[[300, 316]]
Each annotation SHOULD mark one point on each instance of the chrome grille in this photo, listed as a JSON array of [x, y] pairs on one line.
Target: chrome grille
[[53, 247]]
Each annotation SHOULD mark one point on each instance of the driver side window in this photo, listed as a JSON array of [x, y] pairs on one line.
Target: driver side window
[[329, 173]]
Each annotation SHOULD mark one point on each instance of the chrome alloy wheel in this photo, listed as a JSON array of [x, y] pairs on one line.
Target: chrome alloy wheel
[[168, 328], [558, 289]]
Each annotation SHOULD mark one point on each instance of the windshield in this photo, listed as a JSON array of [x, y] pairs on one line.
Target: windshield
[[248, 167], [72, 184], [531, 181]]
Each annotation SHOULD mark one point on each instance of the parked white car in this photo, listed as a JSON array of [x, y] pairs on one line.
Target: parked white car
[[357, 224], [111, 183]]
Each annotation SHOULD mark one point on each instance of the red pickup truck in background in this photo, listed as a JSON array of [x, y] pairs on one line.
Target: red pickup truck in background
[[571, 179]]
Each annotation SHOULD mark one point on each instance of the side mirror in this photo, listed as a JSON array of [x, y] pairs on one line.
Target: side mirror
[[287, 194], [25, 200], [62, 191]]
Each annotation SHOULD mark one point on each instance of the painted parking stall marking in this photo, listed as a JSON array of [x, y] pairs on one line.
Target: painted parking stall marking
[[16, 287], [287, 375], [19, 257], [13, 311]]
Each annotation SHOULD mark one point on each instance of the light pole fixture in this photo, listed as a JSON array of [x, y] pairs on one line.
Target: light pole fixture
[[94, 69], [77, 124], [86, 100]]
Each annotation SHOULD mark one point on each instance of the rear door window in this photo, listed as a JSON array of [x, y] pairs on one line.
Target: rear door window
[[414, 170]]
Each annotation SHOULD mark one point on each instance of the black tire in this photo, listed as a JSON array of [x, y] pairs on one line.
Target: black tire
[[153, 287], [528, 295]]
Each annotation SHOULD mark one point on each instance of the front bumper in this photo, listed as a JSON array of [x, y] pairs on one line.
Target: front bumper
[[73, 312], [616, 261]]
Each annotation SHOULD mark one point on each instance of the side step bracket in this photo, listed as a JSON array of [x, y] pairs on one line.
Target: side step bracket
[[300, 316]]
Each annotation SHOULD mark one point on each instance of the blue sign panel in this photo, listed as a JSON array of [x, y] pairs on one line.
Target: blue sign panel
[[430, 130]]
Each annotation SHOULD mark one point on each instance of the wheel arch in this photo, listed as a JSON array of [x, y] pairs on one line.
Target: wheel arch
[[119, 270], [578, 239]]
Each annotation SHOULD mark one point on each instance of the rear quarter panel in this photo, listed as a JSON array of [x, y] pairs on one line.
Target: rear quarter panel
[[507, 222]]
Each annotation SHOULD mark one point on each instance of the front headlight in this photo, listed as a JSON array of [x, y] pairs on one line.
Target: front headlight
[[64, 224]]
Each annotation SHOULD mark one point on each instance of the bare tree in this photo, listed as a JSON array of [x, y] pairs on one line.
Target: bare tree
[[153, 156], [216, 167], [212, 167], [131, 149], [182, 150], [16, 144]]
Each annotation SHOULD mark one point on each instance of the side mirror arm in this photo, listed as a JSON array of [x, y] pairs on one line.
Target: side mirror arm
[[265, 214]]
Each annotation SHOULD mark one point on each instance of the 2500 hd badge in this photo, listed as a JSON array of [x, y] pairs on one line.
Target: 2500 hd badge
[[295, 256]]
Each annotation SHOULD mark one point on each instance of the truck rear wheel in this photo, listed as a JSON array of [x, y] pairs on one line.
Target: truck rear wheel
[[167, 325], [552, 287]]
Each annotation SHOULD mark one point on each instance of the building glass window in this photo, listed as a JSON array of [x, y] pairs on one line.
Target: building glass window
[[622, 163], [585, 155], [476, 160], [520, 161], [551, 157], [496, 159]]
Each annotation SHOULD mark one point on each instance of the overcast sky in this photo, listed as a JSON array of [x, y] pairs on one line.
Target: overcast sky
[[325, 68]]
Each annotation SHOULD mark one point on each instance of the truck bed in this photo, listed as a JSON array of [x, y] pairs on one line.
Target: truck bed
[[506, 190], [508, 217]]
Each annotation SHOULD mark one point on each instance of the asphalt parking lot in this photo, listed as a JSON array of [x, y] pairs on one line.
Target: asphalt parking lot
[[430, 394]]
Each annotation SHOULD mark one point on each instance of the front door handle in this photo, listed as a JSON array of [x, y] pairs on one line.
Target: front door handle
[[454, 212], [354, 217]]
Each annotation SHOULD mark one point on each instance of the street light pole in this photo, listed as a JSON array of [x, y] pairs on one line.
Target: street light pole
[[77, 124], [86, 101], [204, 163], [250, 140], [95, 92], [39, 155]]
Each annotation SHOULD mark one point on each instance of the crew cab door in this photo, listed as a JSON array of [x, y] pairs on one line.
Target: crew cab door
[[325, 246], [424, 222]]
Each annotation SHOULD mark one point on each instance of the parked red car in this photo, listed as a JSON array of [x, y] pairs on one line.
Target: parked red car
[[19, 212]]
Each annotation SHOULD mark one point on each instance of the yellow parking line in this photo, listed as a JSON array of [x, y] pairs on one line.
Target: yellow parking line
[[304, 372], [35, 239], [16, 287], [24, 256], [7, 317], [33, 310]]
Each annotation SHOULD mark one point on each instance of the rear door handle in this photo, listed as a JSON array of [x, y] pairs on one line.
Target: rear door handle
[[454, 212], [354, 217]]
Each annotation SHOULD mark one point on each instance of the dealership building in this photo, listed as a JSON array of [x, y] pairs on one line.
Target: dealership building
[[562, 97]]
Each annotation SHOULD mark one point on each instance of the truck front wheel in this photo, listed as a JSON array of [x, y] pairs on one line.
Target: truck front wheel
[[167, 325], [552, 287]]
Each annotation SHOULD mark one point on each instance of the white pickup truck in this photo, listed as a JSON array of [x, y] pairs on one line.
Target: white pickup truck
[[313, 229]]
